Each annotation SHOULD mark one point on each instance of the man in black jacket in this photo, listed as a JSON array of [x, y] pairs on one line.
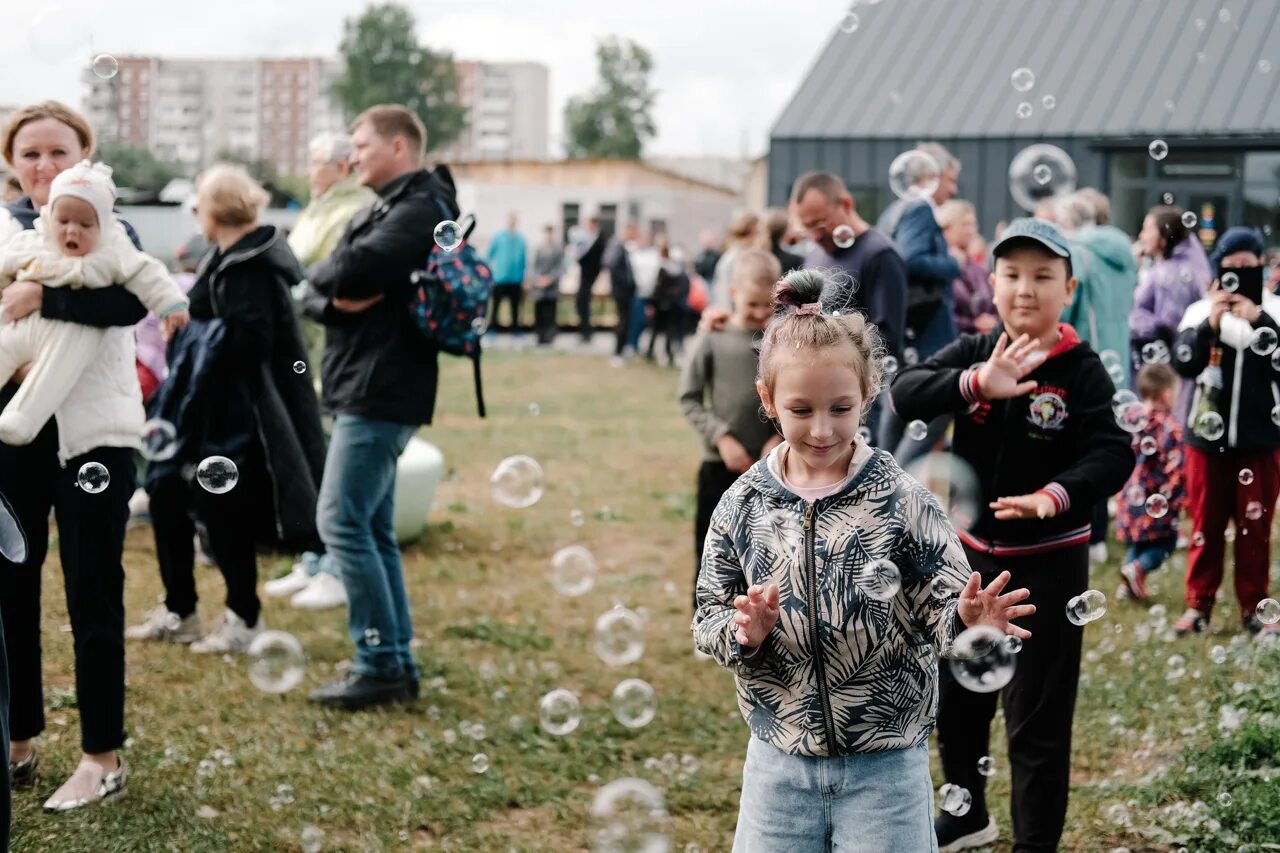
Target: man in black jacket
[[379, 377]]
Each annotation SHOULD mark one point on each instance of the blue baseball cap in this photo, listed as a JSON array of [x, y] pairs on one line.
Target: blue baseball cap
[[1038, 231]]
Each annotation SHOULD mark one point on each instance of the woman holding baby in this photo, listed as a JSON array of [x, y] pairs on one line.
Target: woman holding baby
[[98, 422]]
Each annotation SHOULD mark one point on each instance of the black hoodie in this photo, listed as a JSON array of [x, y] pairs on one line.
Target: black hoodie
[[377, 363], [1070, 438]]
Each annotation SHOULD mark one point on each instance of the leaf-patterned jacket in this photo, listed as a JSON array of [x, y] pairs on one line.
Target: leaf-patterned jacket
[[841, 672]]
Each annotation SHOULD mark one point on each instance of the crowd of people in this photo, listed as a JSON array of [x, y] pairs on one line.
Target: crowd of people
[[1075, 372], [1069, 367]]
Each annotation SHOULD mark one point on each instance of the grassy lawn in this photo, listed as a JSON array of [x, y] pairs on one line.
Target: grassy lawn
[[217, 765]]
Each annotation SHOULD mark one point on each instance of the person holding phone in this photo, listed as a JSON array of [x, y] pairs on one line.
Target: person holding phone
[[1227, 343]]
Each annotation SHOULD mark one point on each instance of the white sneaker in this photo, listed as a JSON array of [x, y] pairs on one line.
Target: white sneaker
[[230, 634], [163, 625], [1098, 552], [139, 507], [296, 581], [323, 592]]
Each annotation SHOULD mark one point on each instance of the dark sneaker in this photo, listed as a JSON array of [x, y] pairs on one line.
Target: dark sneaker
[[411, 681], [1191, 622], [1135, 580], [355, 691], [1253, 624], [22, 774], [963, 834]]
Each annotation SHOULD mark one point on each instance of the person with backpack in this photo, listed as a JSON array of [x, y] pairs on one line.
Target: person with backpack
[[379, 380]]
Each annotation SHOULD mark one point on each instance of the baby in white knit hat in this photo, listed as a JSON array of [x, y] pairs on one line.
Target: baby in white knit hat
[[77, 242]]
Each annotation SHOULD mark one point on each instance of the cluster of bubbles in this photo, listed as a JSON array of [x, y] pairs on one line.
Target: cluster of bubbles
[[1088, 606]]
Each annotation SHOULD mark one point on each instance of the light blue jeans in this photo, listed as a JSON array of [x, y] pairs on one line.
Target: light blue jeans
[[872, 803], [355, 516]]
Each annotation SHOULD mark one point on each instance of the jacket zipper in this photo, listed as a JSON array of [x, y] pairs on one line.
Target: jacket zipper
[[815, 635]]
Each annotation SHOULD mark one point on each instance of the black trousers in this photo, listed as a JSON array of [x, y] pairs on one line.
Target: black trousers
[[91, 530], [544, 320], [668, 322], [512, 293], [1039, 703], [624, 301], [582, 299], [714, 479], [1098, 523], [229, 521]]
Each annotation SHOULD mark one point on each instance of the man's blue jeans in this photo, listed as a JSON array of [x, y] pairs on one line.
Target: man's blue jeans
[[355, 517]]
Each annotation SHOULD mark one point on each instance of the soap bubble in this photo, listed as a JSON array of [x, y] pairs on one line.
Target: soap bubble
[[480, 326], [619, 636], [1253, 510], [1013, 644], [299, 367], [1147, 446], [1197, 539], [1264, 65], [1210, 427], [914, 174], [1264, 340], [1189, 219], [479, 763], [890, 365], [953, 482], [1268, 611], [849, 23], [1158, 149], [535, 409], [217, 475], [1218, 655], [372, 637], [910, 356], [312, 839], [558, 712], [1175, 667], [517, 482], [879, 579], [448, 235], [1245, 477], [1183, 353], [634, 703], [1049, 102], [1155, 352], [987, 766], [629, 816], [1132, 417], [980, 661], [1027, 184], [105, 66], [93, 477], [954, 800], [1087, 607], [1230, 282], [1224, 15], [1024, 111], [573, 571], [1157, 505], [1022, 79], [842, 236], [917, 430], [276, 662]]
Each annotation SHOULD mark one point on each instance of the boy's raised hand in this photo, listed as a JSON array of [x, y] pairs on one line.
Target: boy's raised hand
[[978, 606], [1035, 505], [1000, 378], [757, 613]]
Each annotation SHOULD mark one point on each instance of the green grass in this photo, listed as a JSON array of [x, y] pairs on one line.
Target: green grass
[[495, 637]]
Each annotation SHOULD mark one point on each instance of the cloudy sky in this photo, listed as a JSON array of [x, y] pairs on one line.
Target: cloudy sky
[[723, 73]]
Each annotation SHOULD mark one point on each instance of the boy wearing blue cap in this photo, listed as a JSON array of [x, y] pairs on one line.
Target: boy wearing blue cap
[[1033, 418]]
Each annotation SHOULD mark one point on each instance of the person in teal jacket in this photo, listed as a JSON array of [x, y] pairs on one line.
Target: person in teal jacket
[[507, 259]]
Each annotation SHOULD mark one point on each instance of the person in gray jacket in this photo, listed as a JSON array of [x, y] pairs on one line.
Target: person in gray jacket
[[548, 266]]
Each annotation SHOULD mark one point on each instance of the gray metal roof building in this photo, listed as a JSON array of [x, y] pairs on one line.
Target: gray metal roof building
[[1204, 75]]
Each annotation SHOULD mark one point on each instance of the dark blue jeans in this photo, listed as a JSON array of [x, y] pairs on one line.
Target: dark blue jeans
[[1150, 555], [355, 515]]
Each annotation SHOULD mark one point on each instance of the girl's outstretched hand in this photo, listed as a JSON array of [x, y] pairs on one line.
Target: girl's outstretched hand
[[980, 606], [757, 613]]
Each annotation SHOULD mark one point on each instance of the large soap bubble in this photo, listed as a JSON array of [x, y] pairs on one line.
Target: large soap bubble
[[981, 661], [1038, 172]]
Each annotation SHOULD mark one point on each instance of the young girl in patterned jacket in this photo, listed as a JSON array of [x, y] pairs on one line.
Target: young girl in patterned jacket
[[831, 583]]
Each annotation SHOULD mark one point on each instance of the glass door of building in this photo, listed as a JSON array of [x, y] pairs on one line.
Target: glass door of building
[[1210, 200]]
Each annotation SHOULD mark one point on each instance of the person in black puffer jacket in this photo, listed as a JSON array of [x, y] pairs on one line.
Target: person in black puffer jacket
[[257, 408], [1232, 466]]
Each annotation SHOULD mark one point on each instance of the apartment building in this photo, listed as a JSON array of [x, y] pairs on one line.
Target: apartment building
[[189, 111], [507, 112]]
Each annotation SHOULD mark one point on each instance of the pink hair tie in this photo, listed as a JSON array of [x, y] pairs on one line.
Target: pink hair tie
[[810, 308]]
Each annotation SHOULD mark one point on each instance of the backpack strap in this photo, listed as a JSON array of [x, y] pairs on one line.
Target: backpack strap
[[475, 364]]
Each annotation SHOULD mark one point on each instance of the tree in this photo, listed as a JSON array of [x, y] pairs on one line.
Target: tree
[[137, 168], [614, 120], [385, 64]]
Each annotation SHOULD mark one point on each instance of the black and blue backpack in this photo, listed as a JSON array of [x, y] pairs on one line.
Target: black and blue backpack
[[450, 299]]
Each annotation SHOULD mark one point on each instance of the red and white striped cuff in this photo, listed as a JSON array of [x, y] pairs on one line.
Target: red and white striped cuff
[[969, 386], [1058, 495]]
